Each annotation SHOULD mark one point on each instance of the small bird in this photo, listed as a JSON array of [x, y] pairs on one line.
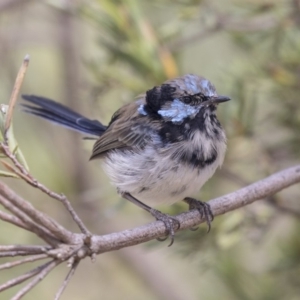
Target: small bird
[[159, 149]]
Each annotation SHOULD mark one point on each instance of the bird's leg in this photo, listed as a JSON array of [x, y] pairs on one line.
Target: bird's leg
[[170, 222], [203, 208]]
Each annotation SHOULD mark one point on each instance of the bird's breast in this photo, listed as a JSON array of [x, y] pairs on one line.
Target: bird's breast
[[158, 175]]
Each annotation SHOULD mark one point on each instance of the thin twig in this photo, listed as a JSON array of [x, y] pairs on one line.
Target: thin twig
[[22, 278], [33, 258], [40, 231], [33, 249], [15, 253], [13, 220], [67, 280], [75, 217], [272, 200], [45, 271], [35, 183], [26, 210], [15, 92]]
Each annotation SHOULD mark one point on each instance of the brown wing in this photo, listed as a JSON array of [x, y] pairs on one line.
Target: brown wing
[[127, 129]]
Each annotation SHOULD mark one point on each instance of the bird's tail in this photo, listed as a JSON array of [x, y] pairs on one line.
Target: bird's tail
[[62, 115]]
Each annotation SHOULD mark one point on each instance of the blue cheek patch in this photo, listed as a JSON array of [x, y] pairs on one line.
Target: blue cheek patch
[[141, 110], [178, 111]]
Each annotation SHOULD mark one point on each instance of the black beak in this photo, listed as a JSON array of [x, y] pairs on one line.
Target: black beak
[[217, 100]]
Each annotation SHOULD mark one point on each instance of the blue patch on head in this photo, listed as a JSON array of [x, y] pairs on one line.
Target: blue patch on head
[[207, 87], [191, 83], [194, 84], [141, 110], [178, 111]]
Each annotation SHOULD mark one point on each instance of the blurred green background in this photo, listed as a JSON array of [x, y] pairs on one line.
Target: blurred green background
[[97, 55]]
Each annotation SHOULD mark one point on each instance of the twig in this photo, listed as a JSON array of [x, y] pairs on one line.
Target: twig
[[40, 231], [16, 253], [272, 200], [35, 183], [13, 220], [33, 258], [67, 280], [33, 249], [26, 211], [15, 91], [22, 278], [45, 271]]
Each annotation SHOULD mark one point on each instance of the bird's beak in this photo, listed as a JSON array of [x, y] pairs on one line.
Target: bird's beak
[[217, 100]]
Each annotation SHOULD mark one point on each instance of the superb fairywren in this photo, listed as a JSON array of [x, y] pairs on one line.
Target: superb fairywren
[[159, 149]]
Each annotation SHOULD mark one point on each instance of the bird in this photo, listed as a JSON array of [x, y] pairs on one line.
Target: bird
[[159, 149]]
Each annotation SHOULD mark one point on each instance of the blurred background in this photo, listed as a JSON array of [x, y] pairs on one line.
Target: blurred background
[[95, 56]]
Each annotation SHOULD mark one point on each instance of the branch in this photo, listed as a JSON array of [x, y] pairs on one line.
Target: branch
[[33, 258], [23, 277], [43, 272], [242, 197], [22, 172], [77, 248], [67, 280]]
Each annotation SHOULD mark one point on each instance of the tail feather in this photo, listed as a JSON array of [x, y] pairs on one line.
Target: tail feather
[[62, 115]]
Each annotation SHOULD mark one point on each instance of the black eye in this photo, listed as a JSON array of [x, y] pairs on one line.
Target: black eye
[[187, 99]]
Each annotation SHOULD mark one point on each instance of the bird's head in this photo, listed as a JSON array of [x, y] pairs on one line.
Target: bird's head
[[181, 98]]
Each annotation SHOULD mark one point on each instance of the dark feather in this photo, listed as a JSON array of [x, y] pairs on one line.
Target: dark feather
[[128, 129], [60, 114]]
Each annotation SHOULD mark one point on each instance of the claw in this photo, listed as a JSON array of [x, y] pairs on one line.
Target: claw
[[204, 210], [170, 224], [194, 228], [160, 239]]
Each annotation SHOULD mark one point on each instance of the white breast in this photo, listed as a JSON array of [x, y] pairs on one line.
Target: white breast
[[155, 178]]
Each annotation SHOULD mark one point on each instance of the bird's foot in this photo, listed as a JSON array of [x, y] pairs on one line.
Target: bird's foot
[[204, 210], [171, 224]]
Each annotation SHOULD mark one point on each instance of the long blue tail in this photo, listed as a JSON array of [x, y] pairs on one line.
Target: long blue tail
[[62, 115]]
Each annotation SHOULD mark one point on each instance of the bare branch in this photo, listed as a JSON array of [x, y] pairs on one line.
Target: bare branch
[[67, 280], [35, 183], [33, 258], [221, 205], [33, 249], [30, 225], [15, 253], [272, 200], [78, 249], [42, 274], [22, 278], [12, 219], [26, 212], [15, 91]]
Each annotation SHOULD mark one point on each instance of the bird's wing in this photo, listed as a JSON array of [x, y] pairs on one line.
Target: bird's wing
[[127, 129]]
